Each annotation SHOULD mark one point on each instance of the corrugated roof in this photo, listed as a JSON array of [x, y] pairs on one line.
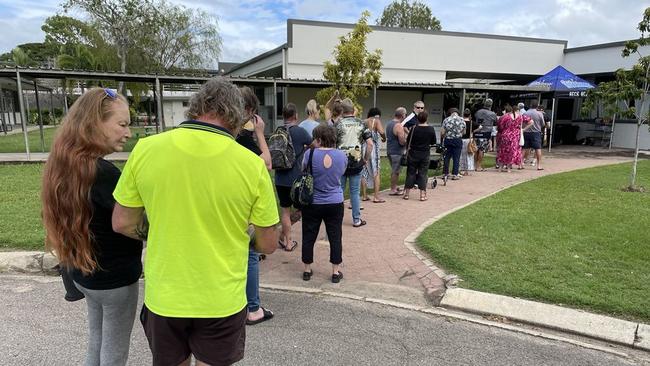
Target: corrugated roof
[[190, 78]]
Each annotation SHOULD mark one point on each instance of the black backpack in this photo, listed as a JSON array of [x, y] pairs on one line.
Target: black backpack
[[283, 156]]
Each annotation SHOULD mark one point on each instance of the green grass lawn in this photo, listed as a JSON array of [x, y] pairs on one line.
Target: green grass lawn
[[16, 143], [20, 206], [574, 239], [488, 161]]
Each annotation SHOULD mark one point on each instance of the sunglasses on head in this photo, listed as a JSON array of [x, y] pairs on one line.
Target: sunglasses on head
[[110, 93]]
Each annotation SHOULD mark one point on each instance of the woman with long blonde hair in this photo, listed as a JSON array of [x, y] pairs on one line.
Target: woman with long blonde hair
[[77, 196]]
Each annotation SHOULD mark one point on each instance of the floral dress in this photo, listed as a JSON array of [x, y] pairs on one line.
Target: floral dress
[[509, 151], [371, 169]]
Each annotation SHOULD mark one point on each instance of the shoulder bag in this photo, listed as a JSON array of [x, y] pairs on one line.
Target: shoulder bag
[[471, 145], [302, 189], [521, 130], [404, 160]]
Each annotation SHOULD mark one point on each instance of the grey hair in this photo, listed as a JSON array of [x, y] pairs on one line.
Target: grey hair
[[487, 103], [311, 108], [220, 97], [520, 105], [400, 112], [348, 106]]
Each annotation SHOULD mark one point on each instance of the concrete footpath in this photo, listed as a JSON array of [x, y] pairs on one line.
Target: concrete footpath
[[381, 260]]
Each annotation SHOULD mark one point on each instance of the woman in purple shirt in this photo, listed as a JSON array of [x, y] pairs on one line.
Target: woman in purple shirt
[[328, 166]]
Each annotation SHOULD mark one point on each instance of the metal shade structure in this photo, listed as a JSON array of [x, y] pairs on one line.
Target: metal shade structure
[[563, 84]]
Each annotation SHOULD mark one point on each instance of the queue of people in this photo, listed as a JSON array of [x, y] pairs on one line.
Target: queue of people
[[202, 198]]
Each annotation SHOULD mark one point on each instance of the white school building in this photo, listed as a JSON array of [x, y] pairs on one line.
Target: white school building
[[443, 69]]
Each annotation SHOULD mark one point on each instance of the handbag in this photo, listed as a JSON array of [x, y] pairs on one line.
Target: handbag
[[302, 189], [521, 135], [404, 160], [471, 146], [72, 293]]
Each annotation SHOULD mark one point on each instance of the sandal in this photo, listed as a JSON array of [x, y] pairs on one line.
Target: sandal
[[359, 223], [268, 315], [288, 248], [337, 277], [366, 199], [379, 201], [423, 197], [306, 276], [406, 197]]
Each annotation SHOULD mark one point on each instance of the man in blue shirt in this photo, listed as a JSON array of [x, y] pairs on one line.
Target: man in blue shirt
[[300, 139]]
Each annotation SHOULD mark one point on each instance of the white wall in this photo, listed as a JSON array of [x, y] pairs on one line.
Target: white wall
[[9, 119], [437, 53], [625, 136], [600, 60], [387, 100], [174, 112], [305, 71], [264, 64]]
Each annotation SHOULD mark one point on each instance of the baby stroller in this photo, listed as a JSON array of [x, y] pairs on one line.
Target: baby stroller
[[435, 162]]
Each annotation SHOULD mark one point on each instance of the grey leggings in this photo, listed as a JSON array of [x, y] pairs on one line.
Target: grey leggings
[[110, 321]]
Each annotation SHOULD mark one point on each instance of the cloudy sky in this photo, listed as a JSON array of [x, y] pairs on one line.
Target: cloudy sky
[[250, 27]]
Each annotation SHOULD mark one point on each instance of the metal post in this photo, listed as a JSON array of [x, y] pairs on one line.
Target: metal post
[[148, 111], [159, 112], [374, 95], [65, 97], [40, 116], [611, 134], [12, 115], [275, 105], [2, 111], [461, 110], [550, 138], [52, 107], [23, 117]]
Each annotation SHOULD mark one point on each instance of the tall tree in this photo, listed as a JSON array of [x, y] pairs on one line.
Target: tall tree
[[153, 35], [120, 22], [64, 30], [403, 14], [354, 68], [182, 37], [630, 86]]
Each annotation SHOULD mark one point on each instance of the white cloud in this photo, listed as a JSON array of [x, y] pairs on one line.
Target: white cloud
[[244, 49], [251, 27]]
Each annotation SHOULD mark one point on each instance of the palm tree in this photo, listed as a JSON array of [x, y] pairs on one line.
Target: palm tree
[[21, 58]]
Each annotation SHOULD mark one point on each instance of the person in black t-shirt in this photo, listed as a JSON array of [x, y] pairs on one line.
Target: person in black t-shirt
[[418, 152], [77, 199], [254, 126]]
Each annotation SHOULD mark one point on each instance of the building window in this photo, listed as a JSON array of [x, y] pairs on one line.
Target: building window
[[185, 104]]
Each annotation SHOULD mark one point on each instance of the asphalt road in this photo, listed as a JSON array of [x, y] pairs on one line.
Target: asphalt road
[[39, 328]]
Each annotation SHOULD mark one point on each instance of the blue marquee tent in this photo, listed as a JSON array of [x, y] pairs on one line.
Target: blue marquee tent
[[562, 83]]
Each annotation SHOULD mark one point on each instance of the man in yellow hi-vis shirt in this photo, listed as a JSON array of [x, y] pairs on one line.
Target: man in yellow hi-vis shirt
[[200, 190]]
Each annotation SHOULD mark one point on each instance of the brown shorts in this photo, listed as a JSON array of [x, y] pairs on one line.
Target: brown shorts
[[215, 341]]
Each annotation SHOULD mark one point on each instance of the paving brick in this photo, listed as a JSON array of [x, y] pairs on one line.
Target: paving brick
[[376, 252]]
